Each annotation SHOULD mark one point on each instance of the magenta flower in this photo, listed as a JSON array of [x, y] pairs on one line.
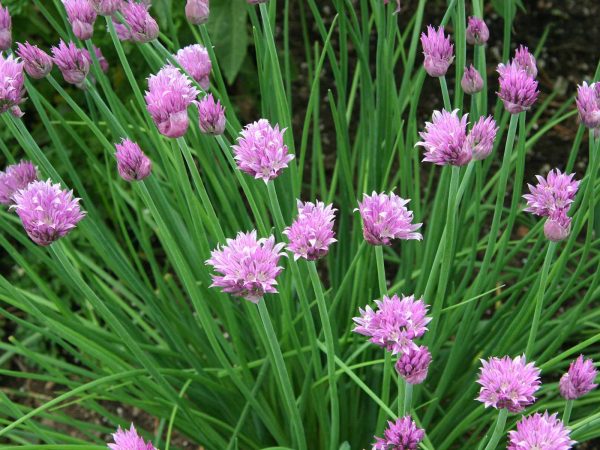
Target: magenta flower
[[557, 226], [508, 383], [101, 59], [132, 162], [37, 63], [394, 324], [444, 139], [400, 435], [311, 234], [540, 432], [247, 266], [129, 440], [14, 178], [477, 31], [74, 63], [588, 104], [480, 139], [46, 211], [143, 27], [518, 90], [471, 81], [525, 61], [82, 17], [398, 5], [211, 116], [123, 31], [5, 29], [194, 59], [169, 94], [579, 379], [106, 7], [438, 51], [556, 192], [385, 217], [197, 11], [11, 85], [260, 151], [414, 365]]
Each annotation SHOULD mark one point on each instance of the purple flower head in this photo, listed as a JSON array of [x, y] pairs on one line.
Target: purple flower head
[[197, 11], [142, 25], [525, 61], [311, 234], [444, 139], [37, 63], [5, 29], [129, 440], [554, 193], [11, 85], [480, 139], [398, 5], [477, 31], [579, 379], [47, 211], [260, 151], [132, 162], [404, 434], [588, 104], [106, 7], [169, 94], [518, 90], [101, 59], [414, 365], [438, 51], [385, 217], [247, 266], [14, 178], [540, 432], [508, 383], [394, 324], [471, 81], [195, 61], [557, 226], [74, 63], [211, 116], [82, 17], [123, 31]]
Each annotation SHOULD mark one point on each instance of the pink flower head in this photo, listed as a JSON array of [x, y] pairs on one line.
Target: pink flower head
[[106, 7], [74, 63], [398, 5], [194, 59], [471, 81], [5, 29], [11, 84], [414, 365], [123, 31], [247, 266], [403, 434], [82, 17], [197, 11], [588, 104], [169, 94], [557, 226], [556, 192], [525, 61], [37, 63], [394, 324], [101, 59], [518, 90], [438, 51], [579, 379], [477, 31], [385, 217], [260, 151], [142, 25], [14, 178], [47, 211], [508, 383], [540, 432], [444, 139], [132, 162], [480, 139], [129, 440], [311, 234], [211, 116]]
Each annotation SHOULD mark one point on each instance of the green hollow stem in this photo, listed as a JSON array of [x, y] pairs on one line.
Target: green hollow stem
[[539, 299], [380, 271], [387, 365], [408, 395], [445, 94], [283, 377], [567, 412], [498, 429], [330, 345]]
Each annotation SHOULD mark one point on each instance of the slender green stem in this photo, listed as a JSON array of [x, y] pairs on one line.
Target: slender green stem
[[567, 413], [498, 429], [539, 299], [387, 365], [380, 271], [445, 94], [408, 395], [275, 208]]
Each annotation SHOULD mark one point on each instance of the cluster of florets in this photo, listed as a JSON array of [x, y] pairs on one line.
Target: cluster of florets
[[518, 87]]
